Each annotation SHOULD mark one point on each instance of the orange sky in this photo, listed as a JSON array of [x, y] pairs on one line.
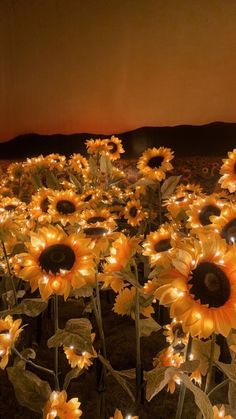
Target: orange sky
[[109, 66]]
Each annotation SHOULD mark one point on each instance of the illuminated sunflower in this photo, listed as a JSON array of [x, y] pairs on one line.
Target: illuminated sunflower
[[79, 359], [58, 407], [125, 304], [12, 204], [116, 148], [39, 205], [35, 164], [155, 162], [190, 188], [117, 174], [202, 289], [56, 262], [134, 213], [118, 415], [167, 358], [121, 252], [175, 335], [196, 377], [225, 225], [90, 197], [65, 207], [100, 218], [220, 413], [178, 204], [9, 332], [9, 228], [79, 163], [56, 161], [228, 170], [15, 170], [159, 243], [201, 210], [97, 146]]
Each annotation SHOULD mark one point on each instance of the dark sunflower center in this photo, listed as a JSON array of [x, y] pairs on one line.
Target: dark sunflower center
[[10, 207], [133, 212], [95, 231], [97, 219], [77, 352], [229, 232], [207, 212], [210, 285], [88, 197], [113, 146], [178, 330], [189, 190], [44, 205], [65, 207], [155, 162], [162, 245], [56, 257], [180, 199]]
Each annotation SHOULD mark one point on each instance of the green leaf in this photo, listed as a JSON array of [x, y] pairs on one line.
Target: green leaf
[[31, 307], [51, 180], [30, 390], [75, 181], [36, 181], [189, 366], [201, 399], [228, 369], [131, 373], [147, 326], [202, 351], [74, 373], [169, 186], [118, 377], [105, 165], [76, 333]]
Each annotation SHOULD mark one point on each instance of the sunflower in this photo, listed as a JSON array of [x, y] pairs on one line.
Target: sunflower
[[155, 162], [122, 250], [125, 304], [225, 225], [79, 359], [58, 407], [15, 170], [39, 205], [12, 204], [65, 207], [99, 218], [228, 170], [56, 161], [35, 164], [118, 415], [220, 413], [133, 212], [159, 243], [201, 210], [9, 228], [56, 262], [79, 164], [97, 146], [175, 335], [190, 188], [168, 358], [202, 287], [178, 204], [90, 197], [115, 148], [9, 332]]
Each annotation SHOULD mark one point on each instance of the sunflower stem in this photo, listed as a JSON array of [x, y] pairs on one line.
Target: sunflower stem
[[182, 391], [137, 338], [159, 203], [9, 272], [32, 364], [210, 369], [55, 309]]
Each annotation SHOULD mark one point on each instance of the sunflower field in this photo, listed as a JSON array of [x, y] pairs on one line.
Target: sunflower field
[[87, 256]]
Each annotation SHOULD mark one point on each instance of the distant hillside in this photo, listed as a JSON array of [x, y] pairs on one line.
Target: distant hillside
[[214, 139]]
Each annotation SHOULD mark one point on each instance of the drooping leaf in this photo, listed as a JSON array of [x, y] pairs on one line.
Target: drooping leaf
[[156, 381], [201, 399], [202, 351], [169, 186], [131, 374], [32, 307], [118, 377], [30, 390], [189, 366], [51, 180], [148, 326], [77, 333], [74, 373], [75, 181], [228, 369]]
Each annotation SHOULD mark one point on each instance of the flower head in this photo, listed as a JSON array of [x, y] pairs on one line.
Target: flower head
[[228, 172], [155, 162], [9, 332], [58, 407]]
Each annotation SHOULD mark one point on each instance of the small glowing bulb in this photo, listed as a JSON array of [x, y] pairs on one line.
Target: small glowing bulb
[[177, 381], [221, 414], [53, 413], [2, 352], [191, 357], [72, 347], [128, 417]]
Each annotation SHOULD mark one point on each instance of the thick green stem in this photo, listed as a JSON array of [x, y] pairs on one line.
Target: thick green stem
[[182, 391], [210, 368], [9, 272], [38, 367], [55, 310], [138, 343]]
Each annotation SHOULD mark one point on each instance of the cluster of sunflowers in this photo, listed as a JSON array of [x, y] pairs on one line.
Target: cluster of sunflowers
[[73, 228]]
